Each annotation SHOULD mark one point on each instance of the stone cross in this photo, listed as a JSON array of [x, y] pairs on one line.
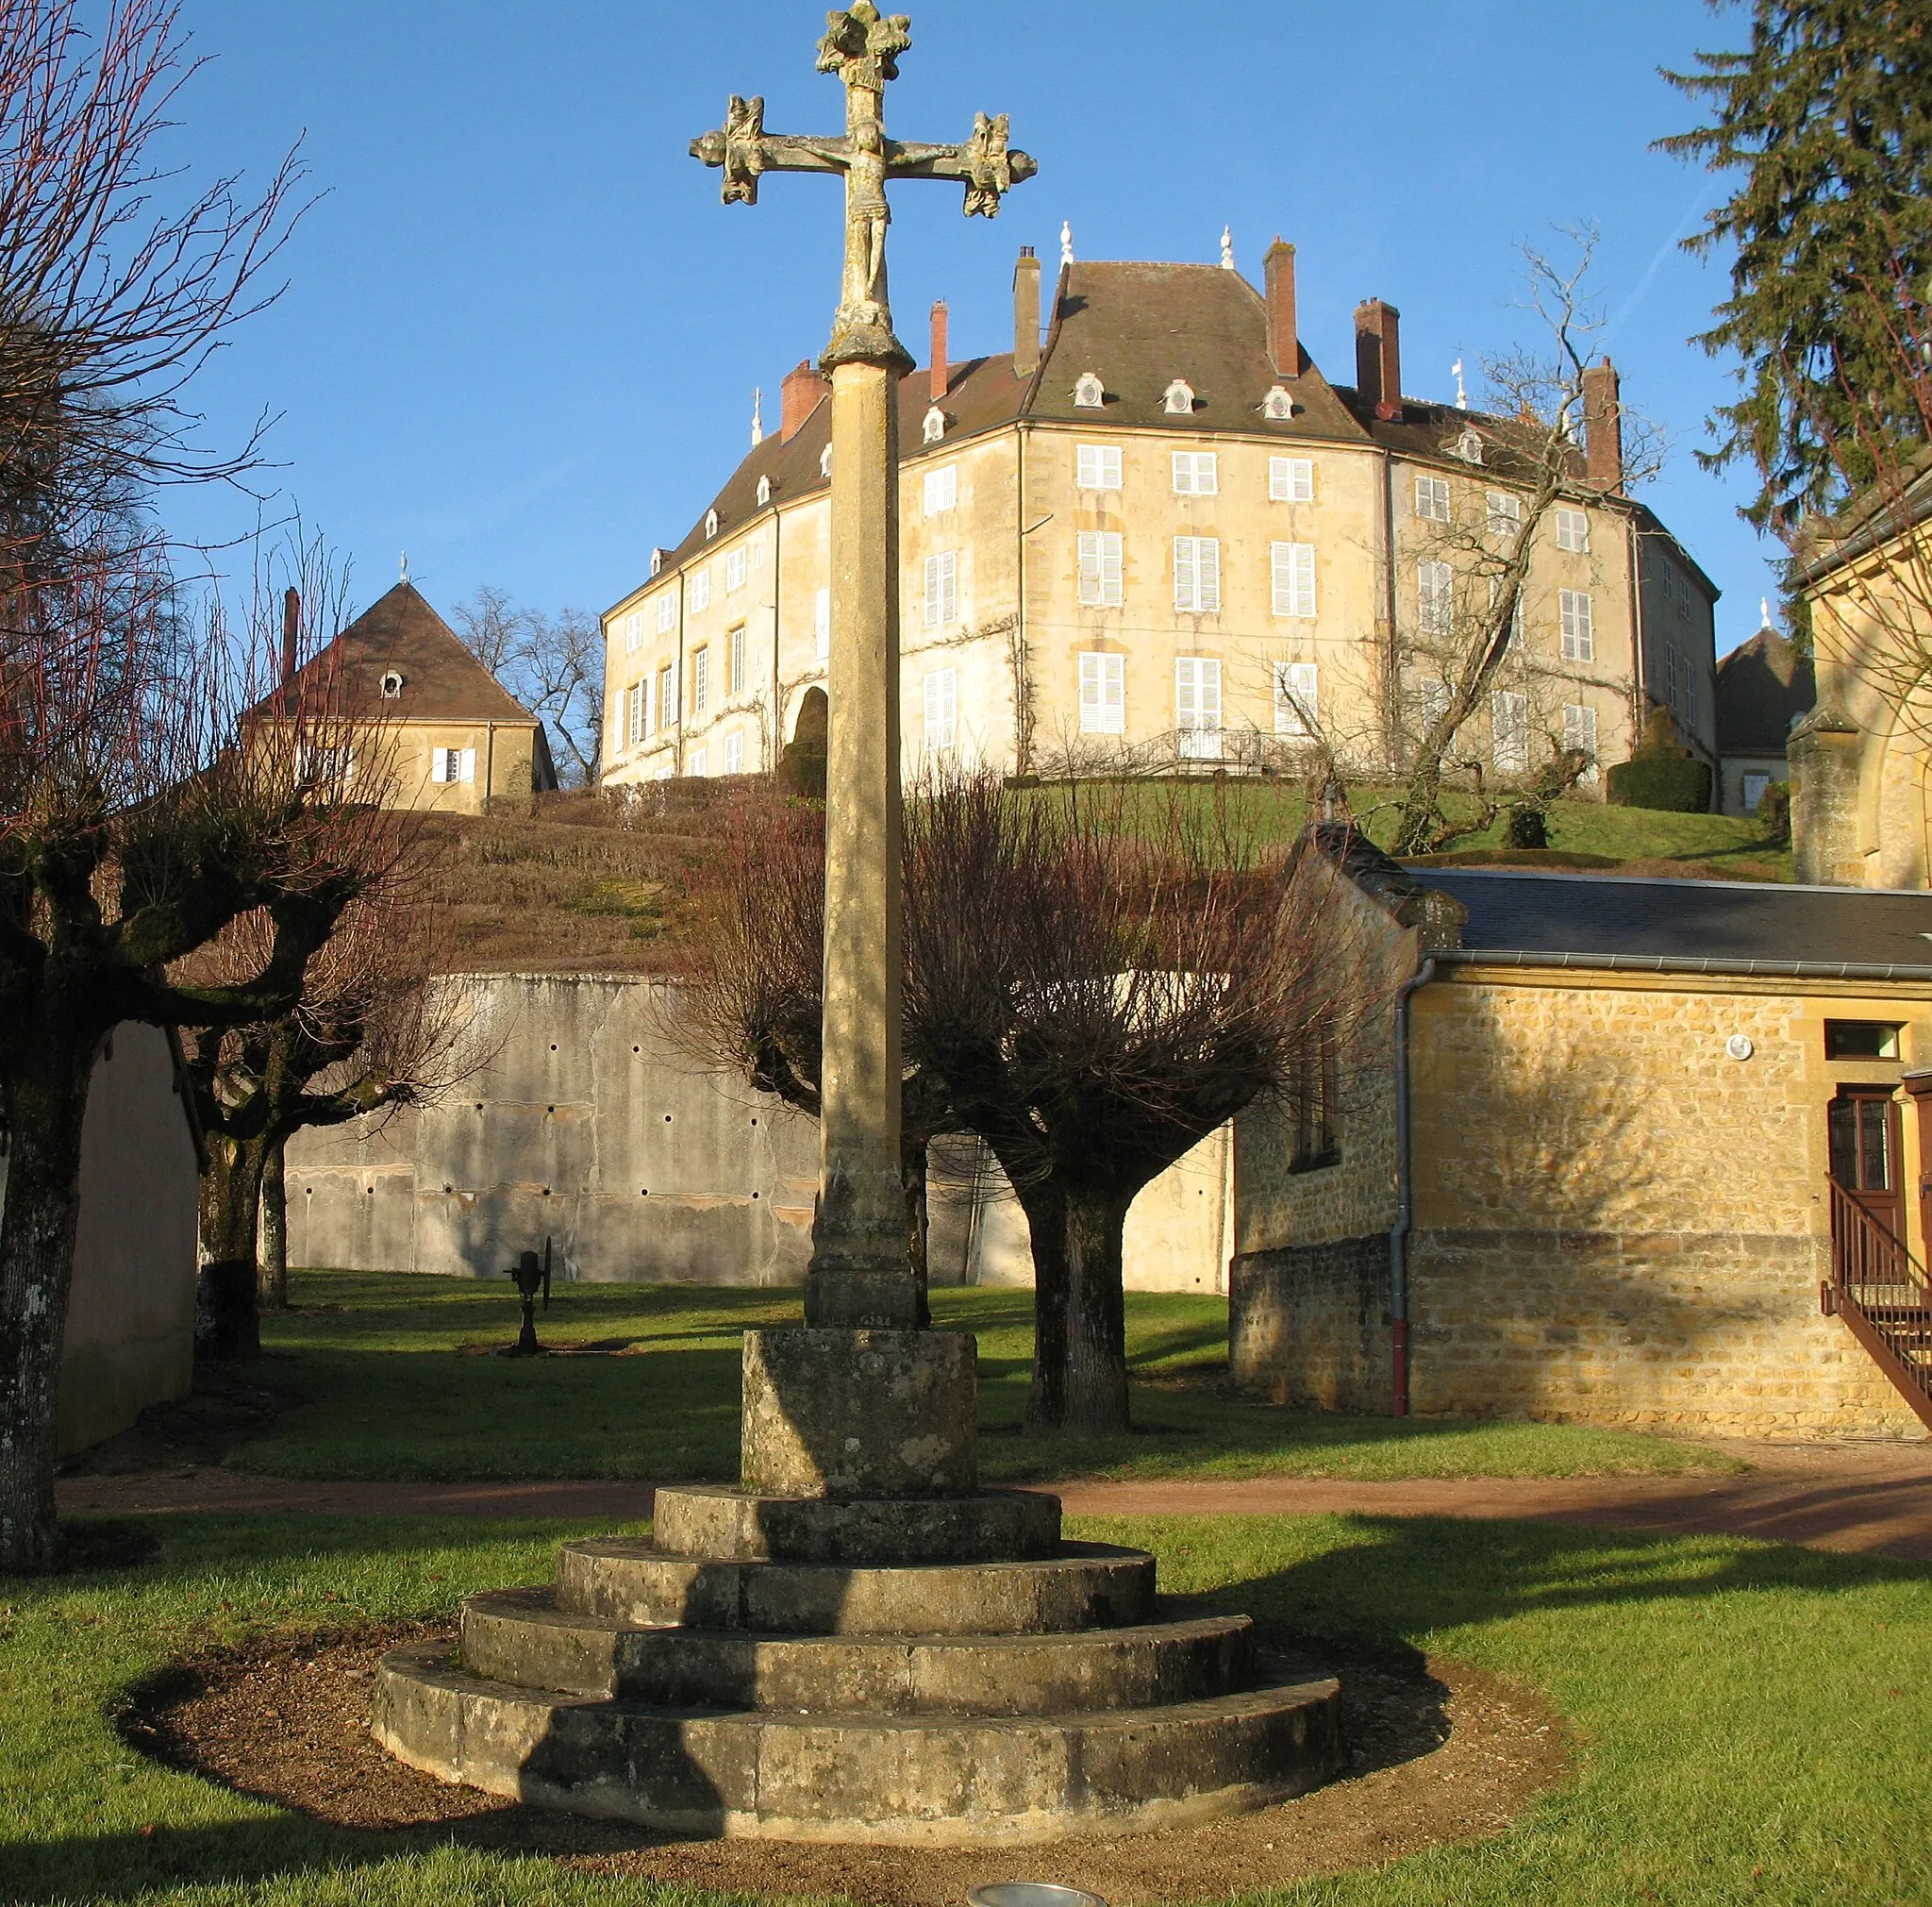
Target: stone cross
[[860, 1272]]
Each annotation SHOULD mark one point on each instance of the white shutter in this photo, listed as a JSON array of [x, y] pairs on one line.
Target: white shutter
[[1103, 693], [1292, 577], [667, 610], [1296, 705], [734, 754], [1097, 466], [1579, 727], [438, 764], [1509, 731], [1505, 513], [942, 709], [1197, 707], [701, 590], [1290, 479], [1100, 568], [1186, 590], [942, 589], [466, 765], [1578, 626], [941, 488], [1208, 585], [822, 624], [1436, 598]]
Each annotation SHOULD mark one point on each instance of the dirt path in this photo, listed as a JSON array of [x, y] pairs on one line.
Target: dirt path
[[1869, 1497]]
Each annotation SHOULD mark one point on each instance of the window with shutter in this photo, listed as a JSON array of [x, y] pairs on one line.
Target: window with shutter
[[941, 488], [942, 709], [1509, 731], [1292, 577], [734, 754], [1103, 693], [635, 714], [700, 681], [698, 763], [1579, 727], [1196, 473], [667, 695], [1290, 479], [734, 569], [1197, 575], [1434, 598], [667, 610], [1573, 531], [1197, 707], [1578, 626], [1432, 498], [701, 590], [1097, 466], [1297, 709], [942, 589], [1100, 568], [1505, 513], [734, 661]]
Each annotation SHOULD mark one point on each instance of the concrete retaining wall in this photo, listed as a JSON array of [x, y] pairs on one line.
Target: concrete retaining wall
[[590, 1124]]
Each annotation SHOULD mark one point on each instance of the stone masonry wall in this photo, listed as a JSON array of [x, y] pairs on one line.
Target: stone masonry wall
[[1309, 1326]]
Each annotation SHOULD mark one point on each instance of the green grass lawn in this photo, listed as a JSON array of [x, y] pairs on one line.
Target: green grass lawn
[[1752, 1721], [392, 1380]]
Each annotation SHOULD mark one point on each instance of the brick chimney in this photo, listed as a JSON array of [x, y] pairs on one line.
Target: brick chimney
[[1378, 358], [1603, 428], [799, 397], [1026, 314], [292, 628], [1284, 344], [941, 370]]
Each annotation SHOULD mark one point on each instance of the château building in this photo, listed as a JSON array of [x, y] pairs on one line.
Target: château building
[[1164, 536]]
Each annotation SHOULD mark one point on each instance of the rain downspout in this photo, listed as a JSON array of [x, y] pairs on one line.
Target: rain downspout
[[1405, 1200]]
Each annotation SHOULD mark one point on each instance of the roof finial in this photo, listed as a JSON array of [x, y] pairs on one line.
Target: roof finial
[[1461, 390], [405, 565], [1066, 241], [1764, 611], [757, 417], [1227, 249]]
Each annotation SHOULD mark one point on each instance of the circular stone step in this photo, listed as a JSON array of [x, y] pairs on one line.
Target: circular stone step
[[731, 1526], [932, 1780], [1085, 1586], [520, 1636]]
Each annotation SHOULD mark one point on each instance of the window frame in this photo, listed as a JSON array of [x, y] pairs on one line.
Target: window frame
[[1576, 624], [1202, 596], [1435, 596], [943, 483], [1435, 489], [1292, 580], [1101, 566], [1290, 479], [1205, 687], [1573, 531], [1297, 683], [1199, 463], [1104, 457], [941, 685], [1107, 677], [939, 604], [734, 646]]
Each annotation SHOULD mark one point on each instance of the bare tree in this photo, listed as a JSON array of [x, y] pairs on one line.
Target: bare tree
[[372, 1031], [553, 664], [1128, 977]]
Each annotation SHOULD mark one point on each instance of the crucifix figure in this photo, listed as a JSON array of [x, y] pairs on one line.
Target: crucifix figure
[[861, 1273]]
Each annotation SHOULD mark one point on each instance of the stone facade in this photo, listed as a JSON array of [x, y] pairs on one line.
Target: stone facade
[[591, 1125], [1617, 1220]]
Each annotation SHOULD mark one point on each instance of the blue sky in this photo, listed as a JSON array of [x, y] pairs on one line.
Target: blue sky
[[521, 333]]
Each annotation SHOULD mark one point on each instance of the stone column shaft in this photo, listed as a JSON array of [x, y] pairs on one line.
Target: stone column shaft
[[861, 1273]]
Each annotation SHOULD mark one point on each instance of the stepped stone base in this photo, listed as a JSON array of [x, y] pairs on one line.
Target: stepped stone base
[[859, 1646], [933, 1780]]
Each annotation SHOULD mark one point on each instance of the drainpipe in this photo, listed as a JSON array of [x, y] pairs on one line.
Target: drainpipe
[[1405, 1200]]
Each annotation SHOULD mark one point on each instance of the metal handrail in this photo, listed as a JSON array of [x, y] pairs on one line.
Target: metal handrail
[[1864, 1251], [1884, 1293]]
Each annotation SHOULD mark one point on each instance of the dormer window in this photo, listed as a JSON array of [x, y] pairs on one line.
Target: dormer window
[[826, 462], [1179, 401], [656, 561], [764, 491], [1277, 405], [391, 684], [1468, 446], [935, 424], [710, 522], [1089, 394]]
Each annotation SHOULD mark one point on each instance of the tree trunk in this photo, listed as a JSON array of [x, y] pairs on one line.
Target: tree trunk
[[1097, 1320], [272, 1274], [36, 1230], [1045, 1207], [912, 1175], [226, 1322]]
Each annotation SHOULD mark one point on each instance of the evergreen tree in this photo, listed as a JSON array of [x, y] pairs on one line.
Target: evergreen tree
[[1828, 117]]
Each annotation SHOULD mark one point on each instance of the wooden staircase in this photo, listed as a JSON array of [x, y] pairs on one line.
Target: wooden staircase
[[1885, 1297]]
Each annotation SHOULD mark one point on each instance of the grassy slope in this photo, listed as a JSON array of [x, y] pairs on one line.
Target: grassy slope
[[395, 1382], [1752, 1721]]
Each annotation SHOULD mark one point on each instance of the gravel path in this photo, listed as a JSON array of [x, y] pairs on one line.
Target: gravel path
[[1874, 1498]]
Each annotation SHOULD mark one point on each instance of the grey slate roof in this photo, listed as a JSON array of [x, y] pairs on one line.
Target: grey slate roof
[[1539, 919]]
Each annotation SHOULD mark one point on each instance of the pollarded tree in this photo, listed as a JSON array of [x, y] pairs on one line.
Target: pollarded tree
[[1827, 118], [1126, 976]]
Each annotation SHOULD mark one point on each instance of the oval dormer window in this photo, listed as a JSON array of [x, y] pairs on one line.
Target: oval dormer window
[[764, 491], [1277, 405], [391, 685], [1179, 401], [1468, 446], [1088, 392], [935, 424], [710, 522]]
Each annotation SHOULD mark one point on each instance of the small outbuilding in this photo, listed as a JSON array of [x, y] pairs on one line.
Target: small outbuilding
[[1618, 1151], [1765, 688]]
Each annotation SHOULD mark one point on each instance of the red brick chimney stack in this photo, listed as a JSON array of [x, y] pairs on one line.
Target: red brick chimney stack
[[941, 370], [1378, 358], [1026, 314], [292, 628], [1284, 343], [1603, 428], [800, 395]]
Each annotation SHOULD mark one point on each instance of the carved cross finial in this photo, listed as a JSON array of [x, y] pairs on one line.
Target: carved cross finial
[[1227, 249], [1066, 241], [862, 46]]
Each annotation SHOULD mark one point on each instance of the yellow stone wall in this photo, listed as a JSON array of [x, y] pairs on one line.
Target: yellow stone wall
[[394, 763], [1015, 529], [1615, 1221]]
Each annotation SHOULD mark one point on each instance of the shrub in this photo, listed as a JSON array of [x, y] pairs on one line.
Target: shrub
[[1661, 774], [1775, 810]]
